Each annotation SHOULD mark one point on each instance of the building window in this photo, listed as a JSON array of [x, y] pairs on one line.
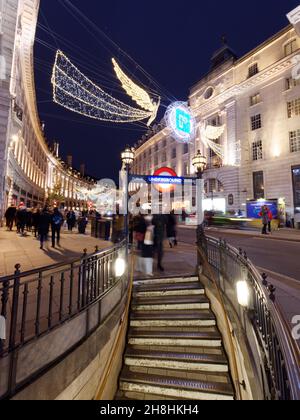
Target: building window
[[164, 144], [256, 122], [164, 157], [255, 99], [253, 70], [290, 83], [174, 153], [156, 147], [258, 185], [156, 160], [295, 141], [293, 108], [296, 187], [257, 150], [185, 148], [291, 47]]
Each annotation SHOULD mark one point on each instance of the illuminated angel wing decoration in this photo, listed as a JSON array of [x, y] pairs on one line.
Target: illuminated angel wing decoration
[[209, 135], [75, 92], [139, 95]]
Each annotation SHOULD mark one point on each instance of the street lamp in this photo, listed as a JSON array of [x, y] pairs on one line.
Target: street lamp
[[200, 164], [127, 158]]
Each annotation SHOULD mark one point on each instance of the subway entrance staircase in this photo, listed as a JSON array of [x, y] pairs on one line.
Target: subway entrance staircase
[[174, 349]]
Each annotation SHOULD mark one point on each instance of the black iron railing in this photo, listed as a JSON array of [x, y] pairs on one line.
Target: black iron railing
[[35, 302], [269, 338]]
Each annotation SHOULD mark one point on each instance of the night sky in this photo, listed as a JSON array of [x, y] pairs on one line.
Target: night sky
[[172, 40]]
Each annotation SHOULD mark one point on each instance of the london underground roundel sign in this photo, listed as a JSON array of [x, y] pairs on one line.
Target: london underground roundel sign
[[181, 121], [164, 184], [165, 172]]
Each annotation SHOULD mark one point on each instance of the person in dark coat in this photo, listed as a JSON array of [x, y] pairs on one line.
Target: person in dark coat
[[71, 220], [10, 216], [56, 223], [171, 229], [35, 221], [21, 219], [159, 222], [44, 225]]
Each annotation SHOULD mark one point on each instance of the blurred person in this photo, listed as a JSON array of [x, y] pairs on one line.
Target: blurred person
[[159, 222], [139, 231], [21, 218], [56, 224], [10, 216], [44, 225], [71, 220], [270, 218], [35, 221], [264, 214], [171, 229], [148, 247]]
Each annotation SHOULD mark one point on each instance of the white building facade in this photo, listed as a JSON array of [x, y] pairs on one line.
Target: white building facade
[[29, 170], [257, 100]]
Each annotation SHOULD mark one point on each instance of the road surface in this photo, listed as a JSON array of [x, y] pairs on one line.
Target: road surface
[[281, 257]]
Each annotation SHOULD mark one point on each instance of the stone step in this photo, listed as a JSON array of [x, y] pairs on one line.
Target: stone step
[[203, 318], [204, 338], [170, 303], [163, 281], [176, 360], [169, 300], [176, 387], [139, 396], [194, 288]]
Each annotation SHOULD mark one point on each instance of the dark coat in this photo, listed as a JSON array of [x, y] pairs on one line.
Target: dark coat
[[44, 223], [171, 226], [10, 213]]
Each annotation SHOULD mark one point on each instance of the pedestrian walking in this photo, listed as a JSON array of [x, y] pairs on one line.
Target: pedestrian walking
[[139, 231], [82, 223], [148, 248], [21, 219], [270, 218], [264, 214], [44, 226], [171, 229], [71, 220], [56, 223], [35, 221], [159, 222], [10, 216]]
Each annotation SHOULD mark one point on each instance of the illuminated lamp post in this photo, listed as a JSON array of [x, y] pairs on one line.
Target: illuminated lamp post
[[200, 164], [127, 158]]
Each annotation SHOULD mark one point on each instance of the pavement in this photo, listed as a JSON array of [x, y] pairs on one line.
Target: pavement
[[26, 251], [290, 235]]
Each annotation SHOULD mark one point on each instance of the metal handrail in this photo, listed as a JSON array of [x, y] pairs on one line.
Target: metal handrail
[[37, 301], [280, 354]]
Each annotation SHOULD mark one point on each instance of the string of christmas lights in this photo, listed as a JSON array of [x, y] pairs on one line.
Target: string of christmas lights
[[209, 135], [75, 92], [139, 95]]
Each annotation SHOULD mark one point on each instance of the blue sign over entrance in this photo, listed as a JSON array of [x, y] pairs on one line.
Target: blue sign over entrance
[[183, 121]]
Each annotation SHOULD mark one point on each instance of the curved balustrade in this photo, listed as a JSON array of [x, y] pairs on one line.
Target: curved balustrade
[[36, 303], [272, 349]]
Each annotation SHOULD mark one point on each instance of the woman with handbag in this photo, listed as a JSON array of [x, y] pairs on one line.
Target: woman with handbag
[[148, 247]]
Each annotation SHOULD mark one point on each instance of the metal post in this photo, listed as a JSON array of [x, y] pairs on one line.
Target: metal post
[[13, 329], [200, 228]]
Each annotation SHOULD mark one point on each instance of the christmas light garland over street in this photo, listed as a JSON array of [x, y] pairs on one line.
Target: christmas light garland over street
[[75, 92]]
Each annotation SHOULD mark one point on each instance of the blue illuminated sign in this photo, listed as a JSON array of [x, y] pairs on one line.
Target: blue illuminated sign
[[165, 180], [183, 121], [254, 208]]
